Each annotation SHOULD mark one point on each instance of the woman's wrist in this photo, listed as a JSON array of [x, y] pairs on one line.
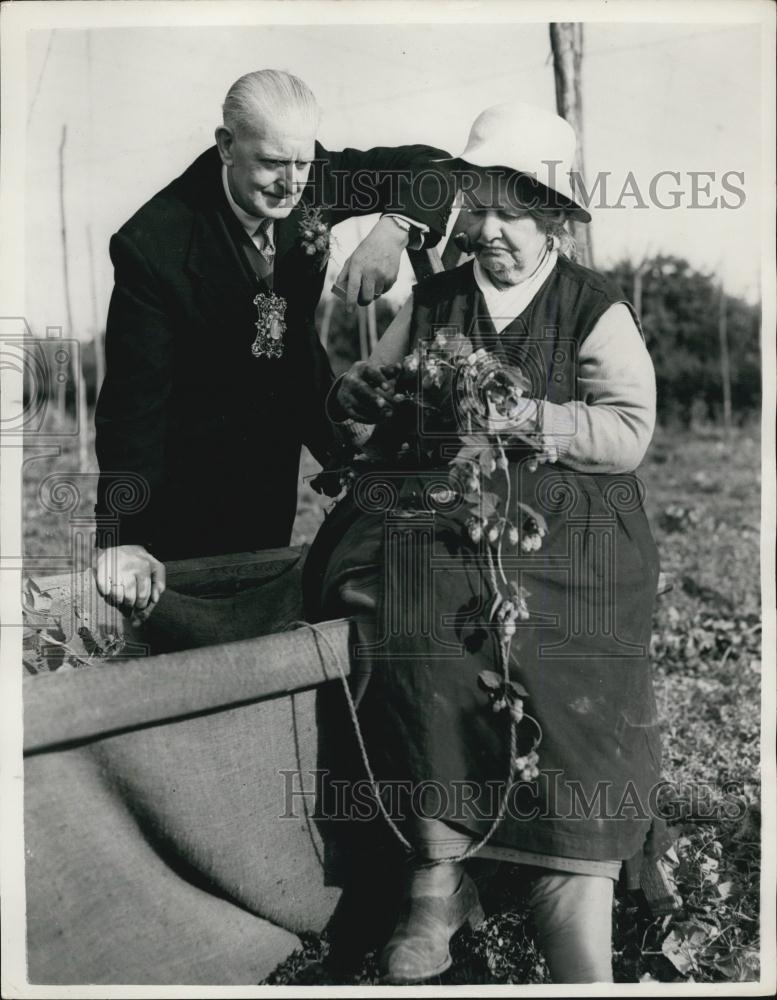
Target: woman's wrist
[[335, 410]]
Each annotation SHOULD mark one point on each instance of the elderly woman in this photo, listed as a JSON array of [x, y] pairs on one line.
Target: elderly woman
[[494, 549]]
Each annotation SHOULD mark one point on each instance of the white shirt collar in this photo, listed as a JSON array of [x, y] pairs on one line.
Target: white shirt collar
[[504, 304], [249, 222]]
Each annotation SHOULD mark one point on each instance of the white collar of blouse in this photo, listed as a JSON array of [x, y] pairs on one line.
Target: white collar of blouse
[[504, 304]]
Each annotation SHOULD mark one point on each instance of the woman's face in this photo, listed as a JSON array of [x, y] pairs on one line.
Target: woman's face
[[505, 238]]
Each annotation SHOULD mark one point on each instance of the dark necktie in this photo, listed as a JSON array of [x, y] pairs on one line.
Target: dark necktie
[[266, 250]]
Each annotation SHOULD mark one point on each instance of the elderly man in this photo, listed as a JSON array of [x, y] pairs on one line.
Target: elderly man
[[215, 374]]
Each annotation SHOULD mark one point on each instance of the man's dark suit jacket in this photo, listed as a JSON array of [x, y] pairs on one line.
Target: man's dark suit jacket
[[205, 436]]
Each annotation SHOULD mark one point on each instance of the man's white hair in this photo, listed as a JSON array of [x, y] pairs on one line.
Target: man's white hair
[[269, 95]]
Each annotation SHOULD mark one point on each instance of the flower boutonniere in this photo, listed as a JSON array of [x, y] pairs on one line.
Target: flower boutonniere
[[315, 235]]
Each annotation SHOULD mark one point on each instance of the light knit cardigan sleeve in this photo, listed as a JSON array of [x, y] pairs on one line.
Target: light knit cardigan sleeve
[[609, 427]]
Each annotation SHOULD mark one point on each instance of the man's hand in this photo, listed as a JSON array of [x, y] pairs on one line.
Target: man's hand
[[130, 578], [366, 391], [373, 266]]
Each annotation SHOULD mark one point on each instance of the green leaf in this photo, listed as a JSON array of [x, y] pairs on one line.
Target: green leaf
[[91, 645], [531, 512], [683, 946], [467, 455], [486, 459], [676, 949], [34, 599], [475, 440], [517, 689], [487, 503], [489, 680]]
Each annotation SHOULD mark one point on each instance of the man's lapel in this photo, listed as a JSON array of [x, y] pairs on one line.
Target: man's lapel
[[213, 253]]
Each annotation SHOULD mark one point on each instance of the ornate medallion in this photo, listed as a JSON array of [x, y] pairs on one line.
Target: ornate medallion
[[270, 325]]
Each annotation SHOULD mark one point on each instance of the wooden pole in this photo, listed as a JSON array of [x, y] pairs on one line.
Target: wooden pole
[[364, 347], [62, 385], [640, 270], [97, 342], [637, 297], [97, 338], [326, 320], [725, 362], [566, 42], [76, 360], [372, 326], [425, 263], [82, 412], [92, 277], [63, 231]]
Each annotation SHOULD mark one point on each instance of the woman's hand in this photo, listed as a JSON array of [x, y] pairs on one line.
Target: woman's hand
[[366, 391], [524, 423], [522, 418]]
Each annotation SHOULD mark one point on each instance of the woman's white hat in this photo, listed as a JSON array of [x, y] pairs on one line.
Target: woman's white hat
[[529, 140]]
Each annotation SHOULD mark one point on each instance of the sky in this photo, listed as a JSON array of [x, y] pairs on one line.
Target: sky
[[139, 104]]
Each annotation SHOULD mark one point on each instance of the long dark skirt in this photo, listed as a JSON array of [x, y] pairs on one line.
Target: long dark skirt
[[582, 658]]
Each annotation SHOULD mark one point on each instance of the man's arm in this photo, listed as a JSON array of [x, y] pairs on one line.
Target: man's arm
[[131, 421], [403, 183], [401, 180]]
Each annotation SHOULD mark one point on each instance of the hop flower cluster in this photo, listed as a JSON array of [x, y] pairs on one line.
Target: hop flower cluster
[[515, 706], [510, 612], [433, 372], [476, 359], [504, 390], [314, 233], [495, 528], [527, 766], [533, 533]]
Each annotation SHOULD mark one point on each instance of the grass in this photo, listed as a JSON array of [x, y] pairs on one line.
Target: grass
[[703, 499]]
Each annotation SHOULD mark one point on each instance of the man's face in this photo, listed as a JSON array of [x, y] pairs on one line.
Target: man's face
[[504, 236], [267, 165]]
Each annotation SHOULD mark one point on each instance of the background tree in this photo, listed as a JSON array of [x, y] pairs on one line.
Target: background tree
[[680, 316]]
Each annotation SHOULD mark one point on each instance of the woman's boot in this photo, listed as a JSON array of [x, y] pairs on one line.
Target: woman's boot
[[438, 901]]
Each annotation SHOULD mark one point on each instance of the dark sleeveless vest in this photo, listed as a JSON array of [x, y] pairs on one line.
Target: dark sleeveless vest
[[543, 340], [583, 654]]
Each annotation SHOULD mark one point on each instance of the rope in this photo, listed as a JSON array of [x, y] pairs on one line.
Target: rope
[[451, 859], [500, 815], [357, 730]]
